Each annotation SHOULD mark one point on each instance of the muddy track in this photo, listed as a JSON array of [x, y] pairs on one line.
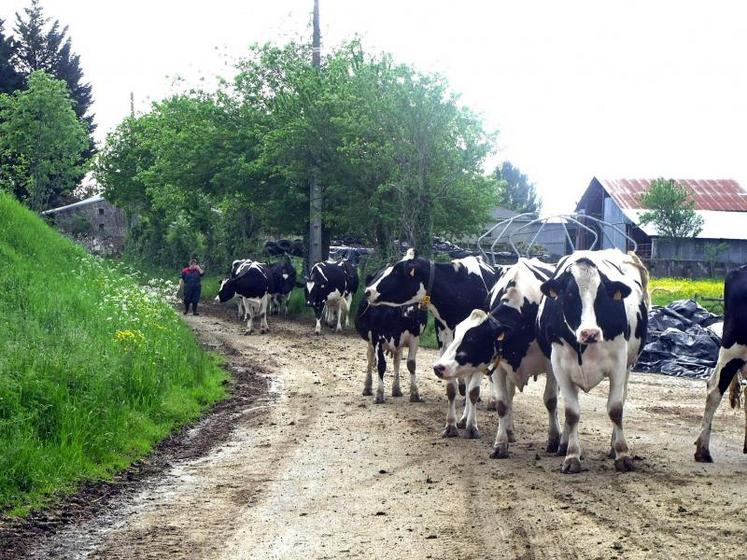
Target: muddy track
[[315, 470]]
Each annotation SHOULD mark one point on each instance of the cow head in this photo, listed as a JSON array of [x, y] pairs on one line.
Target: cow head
[[317, 290], [588, 301], [403, 283], [477, 341], [227, 290]]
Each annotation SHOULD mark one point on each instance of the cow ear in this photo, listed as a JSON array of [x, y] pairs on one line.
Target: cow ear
[[551, 288], [617, 290]]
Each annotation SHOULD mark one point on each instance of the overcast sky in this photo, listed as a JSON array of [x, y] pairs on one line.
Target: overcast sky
[[575, 89]]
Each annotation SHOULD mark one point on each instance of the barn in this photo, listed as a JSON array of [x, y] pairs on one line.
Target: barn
[[721, 202], [94, 222]]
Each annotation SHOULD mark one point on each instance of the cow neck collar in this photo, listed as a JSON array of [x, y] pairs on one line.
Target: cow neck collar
[[431, 277]]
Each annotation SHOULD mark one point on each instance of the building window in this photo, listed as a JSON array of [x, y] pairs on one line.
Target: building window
[[101, 211]]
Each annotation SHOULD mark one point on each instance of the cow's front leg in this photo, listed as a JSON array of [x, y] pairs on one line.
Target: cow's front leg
[[397, 358], [368, 383], [411, 353], [493, 401], [500, 447], [348, 305], [615, 405], [451, 391], [719, 381], [473, 394], [569, 391], [550, 398], [340, 311]]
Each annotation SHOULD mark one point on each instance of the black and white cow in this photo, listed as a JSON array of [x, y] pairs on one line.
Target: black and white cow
[[592, 325], [329, 291], [283, 280], [253, 282], [237, 267], [450, 291], [732, 359], [505, 339], [390, 329]]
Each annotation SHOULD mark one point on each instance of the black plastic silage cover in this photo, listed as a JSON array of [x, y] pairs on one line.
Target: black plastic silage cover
[[678, 341]]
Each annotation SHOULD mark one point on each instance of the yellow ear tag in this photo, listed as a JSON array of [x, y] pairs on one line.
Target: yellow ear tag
[[500, 337], [618, 296], [412, 272], [553, 294], [425, 302]]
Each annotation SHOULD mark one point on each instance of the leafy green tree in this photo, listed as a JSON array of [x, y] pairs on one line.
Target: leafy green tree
[[41, 141], [518, 193], [40, 46], [671, 208], [10, 80]]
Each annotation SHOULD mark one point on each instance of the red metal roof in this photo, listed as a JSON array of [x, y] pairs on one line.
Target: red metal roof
[[725, 195]]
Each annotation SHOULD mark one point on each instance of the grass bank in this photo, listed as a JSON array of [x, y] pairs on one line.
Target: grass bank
[[94, 368]]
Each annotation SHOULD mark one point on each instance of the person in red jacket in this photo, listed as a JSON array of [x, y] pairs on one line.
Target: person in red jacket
[[191, 282]]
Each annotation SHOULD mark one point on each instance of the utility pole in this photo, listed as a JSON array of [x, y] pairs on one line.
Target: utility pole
[[315, 189]]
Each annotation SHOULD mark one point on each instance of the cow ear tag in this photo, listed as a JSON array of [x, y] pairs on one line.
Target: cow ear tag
[[500, 336], [553, 294], [425, 302], [412, 272], [618, 296]]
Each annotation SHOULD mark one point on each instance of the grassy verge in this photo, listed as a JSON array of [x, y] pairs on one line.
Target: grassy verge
[[94, 369], [666, 290]]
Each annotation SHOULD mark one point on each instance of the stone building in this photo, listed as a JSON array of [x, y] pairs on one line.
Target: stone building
[[94, 222]]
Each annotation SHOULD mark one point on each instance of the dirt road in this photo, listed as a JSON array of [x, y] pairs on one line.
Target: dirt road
[[316, 470]]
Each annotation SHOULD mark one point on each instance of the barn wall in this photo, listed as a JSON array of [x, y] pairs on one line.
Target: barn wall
[[612, 239], [705, 250]]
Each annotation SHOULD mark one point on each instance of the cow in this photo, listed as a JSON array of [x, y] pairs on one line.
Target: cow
[[237, 267], [390, 329], [283, 280], [732, 360], [592, 324], [253, 282], [505, 339], [450, 291], [329, 291]]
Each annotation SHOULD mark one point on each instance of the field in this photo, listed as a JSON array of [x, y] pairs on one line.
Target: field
[[94, 367]]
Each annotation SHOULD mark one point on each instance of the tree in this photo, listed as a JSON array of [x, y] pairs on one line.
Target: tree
[[10, 80], [518, 193], [671, 208], [42, 47], [41, 141]]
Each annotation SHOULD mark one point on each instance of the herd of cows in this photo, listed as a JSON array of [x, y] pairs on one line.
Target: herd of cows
[[576, 322]]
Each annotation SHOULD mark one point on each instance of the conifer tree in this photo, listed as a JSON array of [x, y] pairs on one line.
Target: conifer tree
[[10, 80]]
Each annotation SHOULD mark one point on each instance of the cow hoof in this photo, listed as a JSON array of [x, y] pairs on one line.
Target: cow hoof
[[450, 431], [553, 444], [414, 397], [472, 433], [571, 465], [492, 405], [317, 333], [247, 333], [703, 456], [500, 451], [562, 449], [396, 391], [611, 454], [511, 438], [624, 464], [462, 423], [379, 399], [367, 392]]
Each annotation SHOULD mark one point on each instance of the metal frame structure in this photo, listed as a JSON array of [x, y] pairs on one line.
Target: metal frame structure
[[564, 219]]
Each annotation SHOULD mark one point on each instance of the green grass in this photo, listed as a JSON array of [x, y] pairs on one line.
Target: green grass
[[94, 367], [666, 290]]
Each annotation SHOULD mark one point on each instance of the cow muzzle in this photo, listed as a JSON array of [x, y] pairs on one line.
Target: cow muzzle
[[371, 295], [589, 335], [439, 370]]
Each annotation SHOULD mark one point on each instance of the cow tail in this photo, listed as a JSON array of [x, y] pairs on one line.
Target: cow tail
[[380, 358], [735, 391]]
